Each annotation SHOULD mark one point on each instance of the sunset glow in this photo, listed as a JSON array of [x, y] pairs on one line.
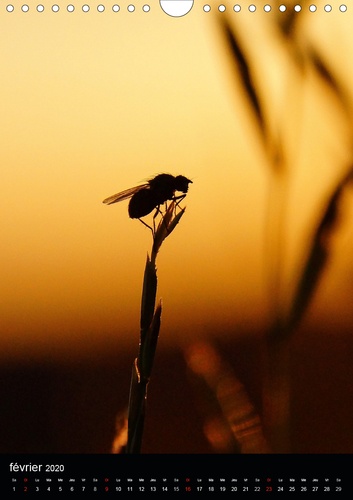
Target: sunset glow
[[96, 103]]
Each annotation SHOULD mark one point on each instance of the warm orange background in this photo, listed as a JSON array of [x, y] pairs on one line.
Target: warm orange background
[[95, 103]]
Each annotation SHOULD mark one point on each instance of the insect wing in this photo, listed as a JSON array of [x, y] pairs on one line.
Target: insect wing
[[123, 195]]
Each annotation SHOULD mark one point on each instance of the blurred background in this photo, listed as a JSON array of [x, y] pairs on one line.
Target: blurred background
[[256, 109]]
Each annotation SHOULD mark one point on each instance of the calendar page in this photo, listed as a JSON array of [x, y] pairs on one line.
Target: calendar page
[[177, 224]]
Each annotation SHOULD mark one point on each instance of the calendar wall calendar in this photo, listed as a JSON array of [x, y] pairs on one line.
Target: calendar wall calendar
[[176, 205]]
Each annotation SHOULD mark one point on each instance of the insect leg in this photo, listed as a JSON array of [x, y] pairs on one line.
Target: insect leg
[[177, 200], [149, 227], [158, 211]]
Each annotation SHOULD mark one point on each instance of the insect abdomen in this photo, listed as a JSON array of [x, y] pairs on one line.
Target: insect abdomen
[[142, 203]]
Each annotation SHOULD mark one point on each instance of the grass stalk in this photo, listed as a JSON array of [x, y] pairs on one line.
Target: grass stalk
[[150, 322], [232, 424], [302, 57]]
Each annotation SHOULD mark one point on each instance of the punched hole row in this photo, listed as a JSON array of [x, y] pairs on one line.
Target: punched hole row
[[206, 8], [72, 8], [281, 8]]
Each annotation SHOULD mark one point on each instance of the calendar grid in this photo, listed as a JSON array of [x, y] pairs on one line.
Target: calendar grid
[[177, 475]]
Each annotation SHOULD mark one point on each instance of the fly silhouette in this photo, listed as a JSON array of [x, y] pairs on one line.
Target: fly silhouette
[[150, 196]]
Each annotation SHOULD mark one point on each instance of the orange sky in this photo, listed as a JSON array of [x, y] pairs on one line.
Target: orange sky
[[96, 103]]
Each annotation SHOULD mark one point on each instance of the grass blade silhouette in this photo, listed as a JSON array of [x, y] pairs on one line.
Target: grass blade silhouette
[[318, 255], [242, 67]]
